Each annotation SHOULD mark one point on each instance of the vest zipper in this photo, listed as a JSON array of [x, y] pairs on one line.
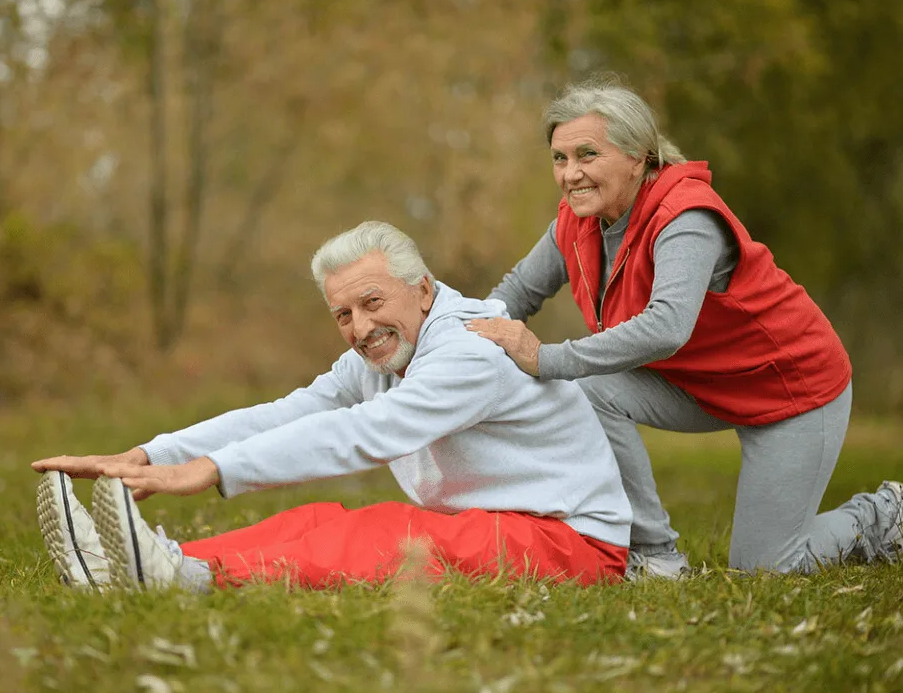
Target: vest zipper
[[598, 313], [614, 273]]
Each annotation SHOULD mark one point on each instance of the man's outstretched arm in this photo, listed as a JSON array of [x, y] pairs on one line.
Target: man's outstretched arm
[[329, 391], [441, 394], [444, 394], [335, 389]]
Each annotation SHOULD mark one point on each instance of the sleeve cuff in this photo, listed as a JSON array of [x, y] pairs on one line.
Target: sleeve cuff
[[221, 486], [230, 484], [160, 451], [552, 363]]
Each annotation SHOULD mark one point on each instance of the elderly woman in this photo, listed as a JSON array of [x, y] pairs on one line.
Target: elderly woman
[[694, 329]]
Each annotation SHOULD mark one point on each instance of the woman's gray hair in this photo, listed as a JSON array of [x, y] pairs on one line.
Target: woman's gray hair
[[401, 252], [630, 121]]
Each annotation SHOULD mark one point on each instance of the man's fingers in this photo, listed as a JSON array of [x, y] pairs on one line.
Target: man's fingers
[[142, 484], [140, 494], [76, 467], [122, 469]]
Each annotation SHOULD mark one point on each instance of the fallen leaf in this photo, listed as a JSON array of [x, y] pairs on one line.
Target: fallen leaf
[[154, 684], [848, 590], [24, 655], [162, 651], [806, 626], [894, 669]]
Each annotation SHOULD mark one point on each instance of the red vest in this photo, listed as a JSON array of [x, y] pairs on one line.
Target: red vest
[[760, 352]]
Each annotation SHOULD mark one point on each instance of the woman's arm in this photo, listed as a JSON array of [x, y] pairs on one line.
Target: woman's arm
[[534, 279]]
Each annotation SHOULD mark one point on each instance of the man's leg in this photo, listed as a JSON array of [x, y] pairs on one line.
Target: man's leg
[[365, 545], [786, 469], [286, 526], [321, 544], [641, 396]]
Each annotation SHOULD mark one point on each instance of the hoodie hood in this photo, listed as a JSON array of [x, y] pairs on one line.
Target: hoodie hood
[[449, 303]]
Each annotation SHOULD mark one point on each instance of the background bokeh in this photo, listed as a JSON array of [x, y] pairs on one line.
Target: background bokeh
[[167, 167]]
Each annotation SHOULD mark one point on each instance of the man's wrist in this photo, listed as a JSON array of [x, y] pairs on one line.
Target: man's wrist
[[211, 470], [137, 456]]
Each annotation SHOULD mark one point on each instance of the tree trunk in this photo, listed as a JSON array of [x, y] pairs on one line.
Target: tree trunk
[[159, 246], [202, 37]]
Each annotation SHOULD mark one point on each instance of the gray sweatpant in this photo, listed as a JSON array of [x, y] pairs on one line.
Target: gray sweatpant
[[785, 470]]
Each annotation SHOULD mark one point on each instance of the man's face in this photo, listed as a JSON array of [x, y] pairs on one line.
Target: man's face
[[378, 315]]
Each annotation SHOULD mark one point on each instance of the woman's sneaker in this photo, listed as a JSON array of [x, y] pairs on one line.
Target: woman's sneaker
[[671, 565], [892, 543], [139, 557], [69, 534]]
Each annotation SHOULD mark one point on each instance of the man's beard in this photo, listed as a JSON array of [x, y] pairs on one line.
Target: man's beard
[[404, 352]]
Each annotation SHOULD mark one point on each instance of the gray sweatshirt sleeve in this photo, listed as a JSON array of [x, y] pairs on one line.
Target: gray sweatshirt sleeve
[[335, 389], [534, 279], [687, 253], [446, 392]]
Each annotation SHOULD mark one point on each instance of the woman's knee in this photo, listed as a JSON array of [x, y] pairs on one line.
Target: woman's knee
[[604, 392], [754, 552]]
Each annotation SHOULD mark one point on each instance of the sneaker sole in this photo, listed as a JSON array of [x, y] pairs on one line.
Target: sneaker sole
[[58, 530], [112, 512]]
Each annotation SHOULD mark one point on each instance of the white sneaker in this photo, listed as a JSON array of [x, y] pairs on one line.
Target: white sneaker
[[663, 566], [892, 543], [138, 556], [69, 534]]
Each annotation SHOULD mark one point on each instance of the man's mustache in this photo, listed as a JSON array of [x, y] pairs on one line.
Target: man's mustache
[[376, 334]]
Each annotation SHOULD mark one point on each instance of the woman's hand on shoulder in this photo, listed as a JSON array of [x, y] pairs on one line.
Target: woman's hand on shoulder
[[514, 337]]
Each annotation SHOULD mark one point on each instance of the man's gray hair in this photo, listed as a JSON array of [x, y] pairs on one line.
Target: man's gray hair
[[630, 121], [400, 251]]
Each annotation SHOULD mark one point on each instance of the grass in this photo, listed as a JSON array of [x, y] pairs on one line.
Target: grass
[[841, 629]]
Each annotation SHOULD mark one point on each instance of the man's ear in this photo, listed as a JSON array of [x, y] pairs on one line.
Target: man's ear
[[426, 294]]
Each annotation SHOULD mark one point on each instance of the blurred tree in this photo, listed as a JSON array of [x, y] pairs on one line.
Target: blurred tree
[[262, 128], [144, 29], [9, 19]]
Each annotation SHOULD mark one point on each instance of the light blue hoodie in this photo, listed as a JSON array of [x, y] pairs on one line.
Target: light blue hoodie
[[465, 428]]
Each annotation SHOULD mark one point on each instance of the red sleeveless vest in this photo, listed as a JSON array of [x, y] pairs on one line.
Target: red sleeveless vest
[[760, 352]]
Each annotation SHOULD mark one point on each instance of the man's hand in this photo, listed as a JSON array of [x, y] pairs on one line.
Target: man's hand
[[178, 480], [89, 466], [514, 337]]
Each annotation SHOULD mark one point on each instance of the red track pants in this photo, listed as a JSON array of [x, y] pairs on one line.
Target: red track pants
[[323, 544]]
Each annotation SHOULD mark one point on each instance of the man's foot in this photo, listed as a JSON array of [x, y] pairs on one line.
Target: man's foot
[[69, 534], [892, 543], [139, 557], [671, 565]]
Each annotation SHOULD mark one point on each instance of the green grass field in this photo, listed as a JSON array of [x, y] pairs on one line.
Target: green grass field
[[839, 630]]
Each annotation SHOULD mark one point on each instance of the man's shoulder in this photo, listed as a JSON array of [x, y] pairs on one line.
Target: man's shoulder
[[450, 339]]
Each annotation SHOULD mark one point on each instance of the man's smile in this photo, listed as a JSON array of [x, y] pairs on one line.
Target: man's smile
[[372, 345]]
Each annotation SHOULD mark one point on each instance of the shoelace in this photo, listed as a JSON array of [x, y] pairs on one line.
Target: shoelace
[[171, 544]]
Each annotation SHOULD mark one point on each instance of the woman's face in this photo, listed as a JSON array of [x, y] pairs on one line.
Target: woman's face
[[596, 177]]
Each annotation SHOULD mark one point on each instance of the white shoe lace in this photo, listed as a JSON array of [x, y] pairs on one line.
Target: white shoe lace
[[171, 545]]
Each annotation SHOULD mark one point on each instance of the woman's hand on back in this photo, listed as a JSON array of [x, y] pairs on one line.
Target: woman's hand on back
[[514, 337]]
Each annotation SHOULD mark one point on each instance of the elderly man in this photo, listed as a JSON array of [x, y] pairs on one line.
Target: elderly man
[[502, 469]]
